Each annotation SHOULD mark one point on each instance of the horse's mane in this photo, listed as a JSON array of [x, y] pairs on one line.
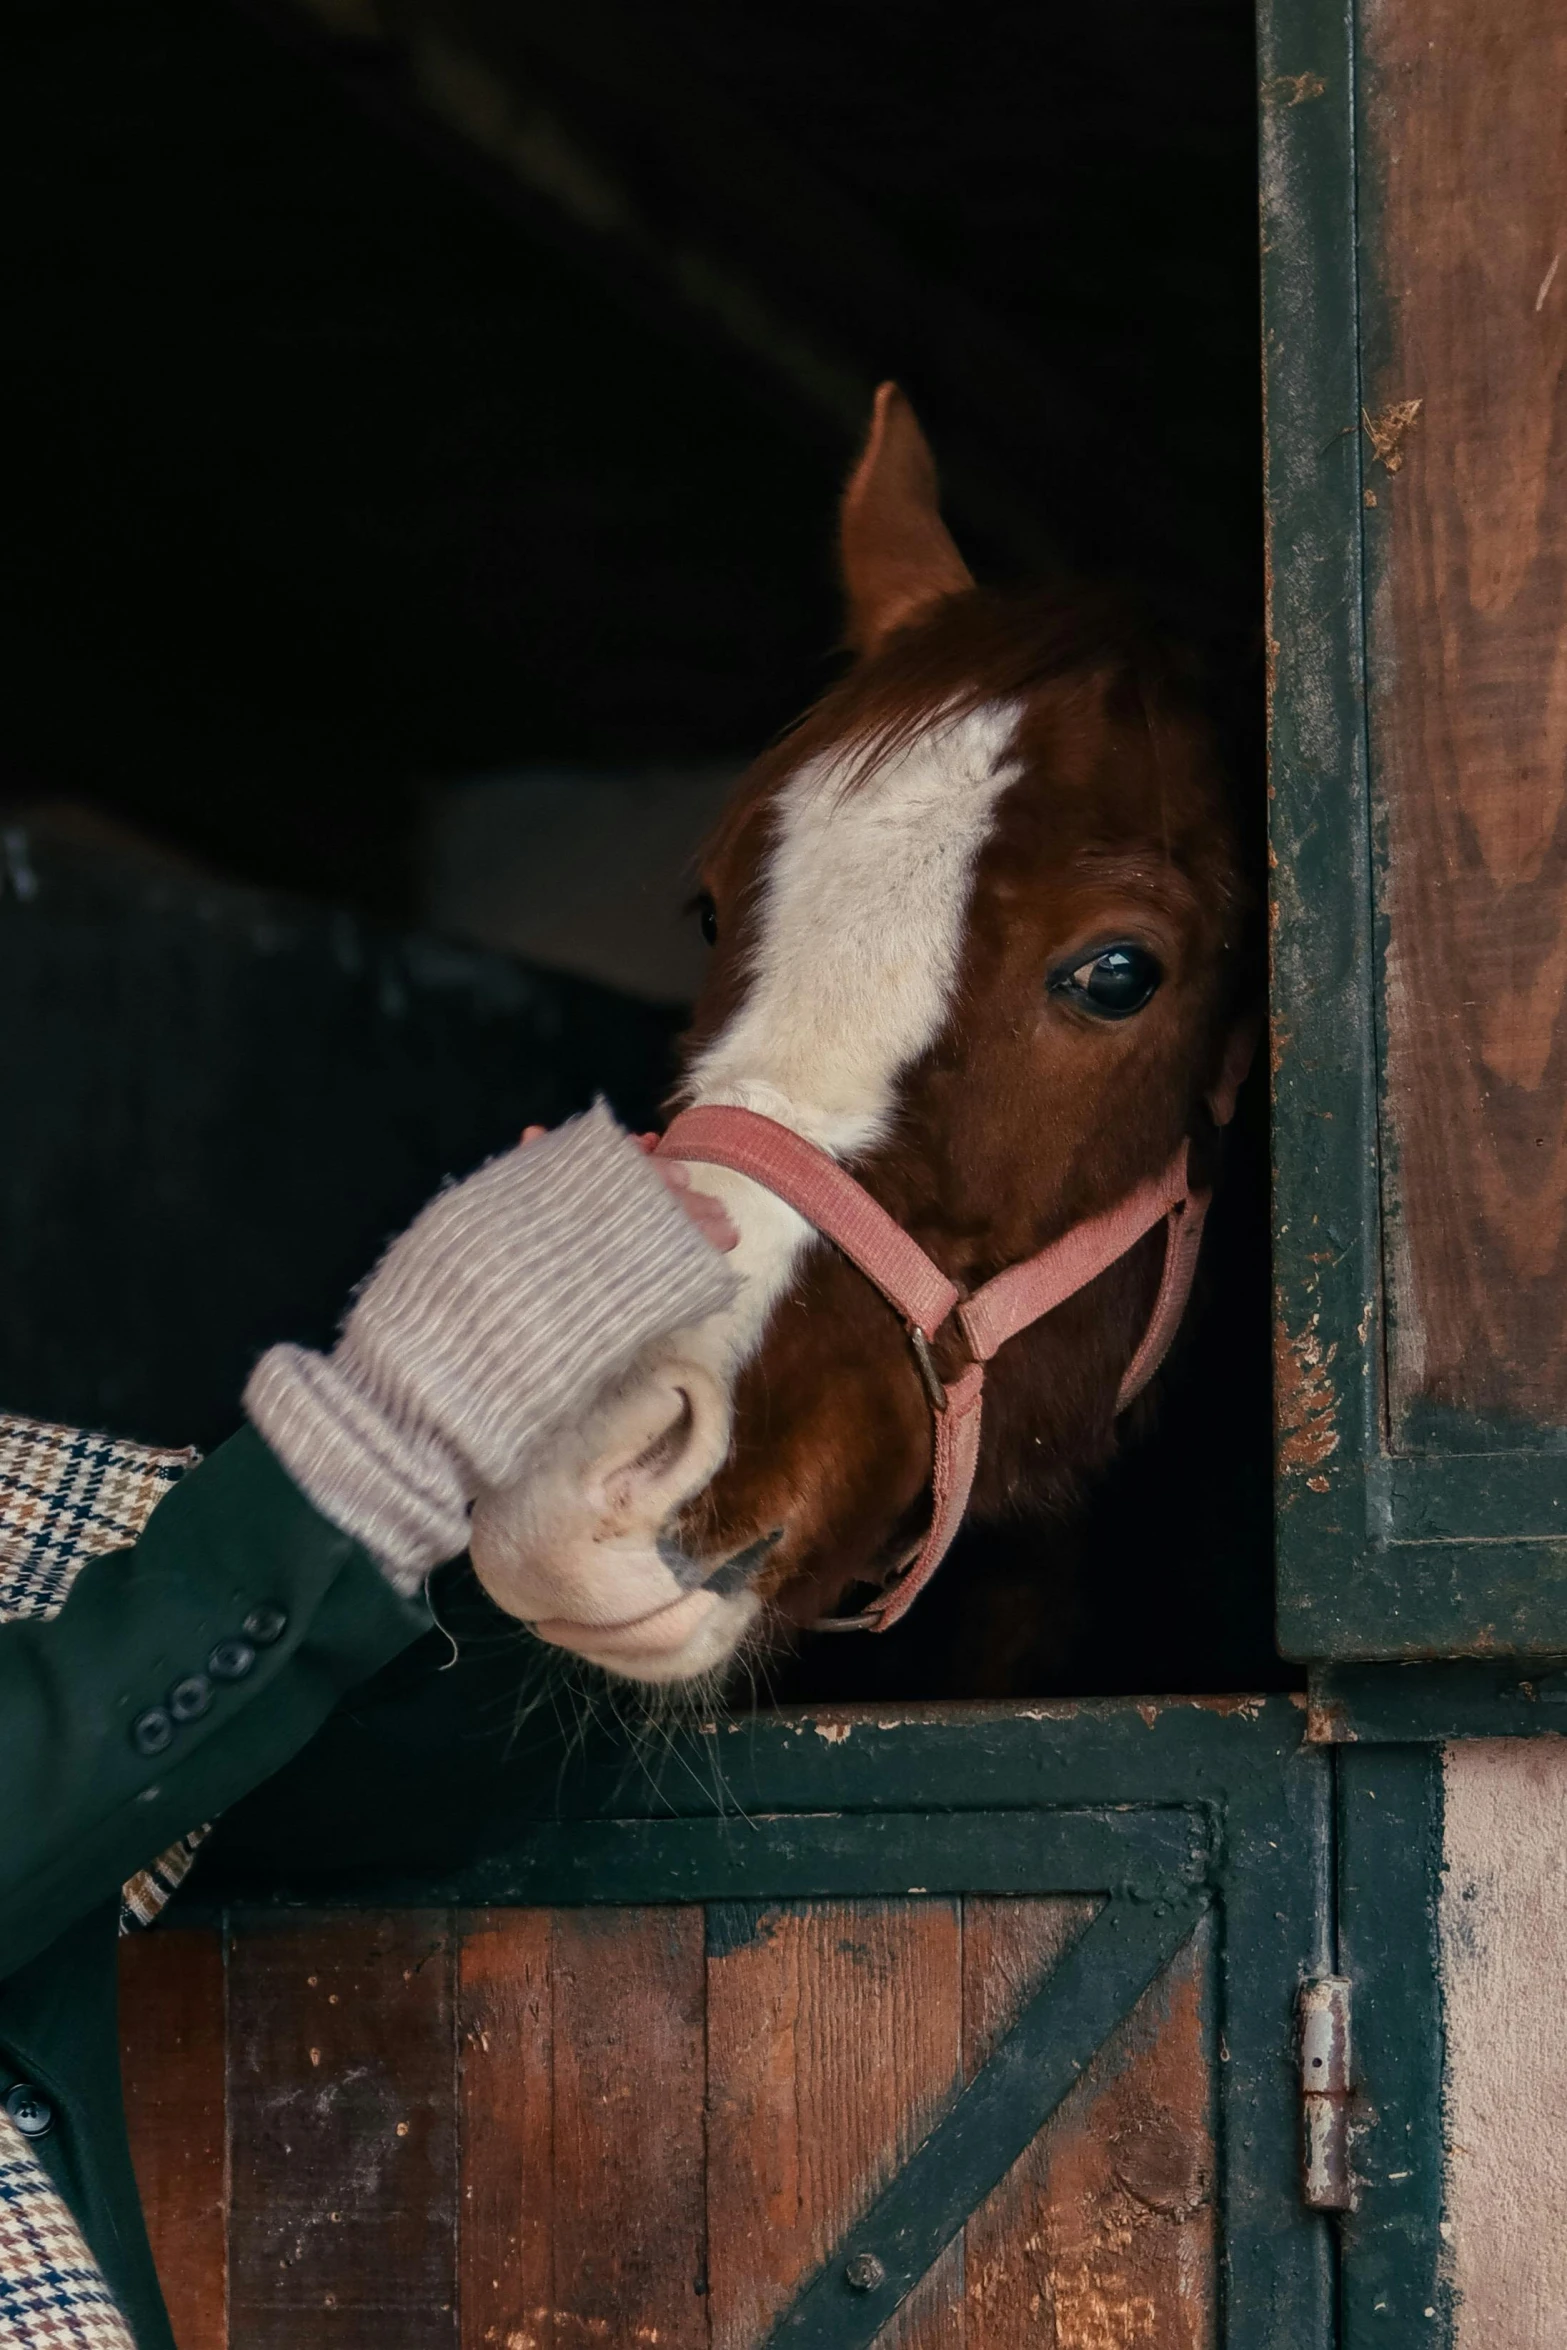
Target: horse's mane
[[984, 646]]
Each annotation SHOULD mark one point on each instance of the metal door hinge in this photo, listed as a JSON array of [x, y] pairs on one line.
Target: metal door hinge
[[1325, 2092]]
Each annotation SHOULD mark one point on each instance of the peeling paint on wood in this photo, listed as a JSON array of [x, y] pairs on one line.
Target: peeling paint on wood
[[1387, 431], [1292, 89], [1328, 1723], [1305, 1399]]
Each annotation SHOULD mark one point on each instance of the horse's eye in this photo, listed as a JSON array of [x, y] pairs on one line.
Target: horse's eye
[[1117, 981], [707, 916]]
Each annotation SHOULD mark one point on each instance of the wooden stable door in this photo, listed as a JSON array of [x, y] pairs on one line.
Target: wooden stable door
[[1414, 242], [535, 2127], [1415, 306], [976, 2103]]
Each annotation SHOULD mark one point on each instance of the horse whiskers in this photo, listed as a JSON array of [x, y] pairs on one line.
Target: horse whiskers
[[660, 1723]]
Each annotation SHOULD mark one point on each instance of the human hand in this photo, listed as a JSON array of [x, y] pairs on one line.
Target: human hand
[[711, 1218]]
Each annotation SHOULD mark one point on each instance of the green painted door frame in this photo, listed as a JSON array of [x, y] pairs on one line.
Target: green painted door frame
[[1456, 1548]]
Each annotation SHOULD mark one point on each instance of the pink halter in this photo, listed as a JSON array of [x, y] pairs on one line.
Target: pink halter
[[843, 1211]]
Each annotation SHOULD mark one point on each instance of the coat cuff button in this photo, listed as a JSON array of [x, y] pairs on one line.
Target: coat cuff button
[[152, 1731], [190, 1698], [231, 1660], [30, 2109], [265, 1624]]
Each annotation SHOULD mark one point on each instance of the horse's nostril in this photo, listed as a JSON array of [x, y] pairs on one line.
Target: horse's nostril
[[731, 1575], [736, 1573], [667, 1447]]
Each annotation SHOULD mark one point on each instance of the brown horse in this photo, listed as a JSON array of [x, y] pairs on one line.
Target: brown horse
[[979, 932]]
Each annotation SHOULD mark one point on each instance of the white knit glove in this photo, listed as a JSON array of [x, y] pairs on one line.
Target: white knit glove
[[502, 1310]]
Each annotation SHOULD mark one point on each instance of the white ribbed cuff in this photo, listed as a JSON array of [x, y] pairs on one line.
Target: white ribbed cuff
[[402, 1497]]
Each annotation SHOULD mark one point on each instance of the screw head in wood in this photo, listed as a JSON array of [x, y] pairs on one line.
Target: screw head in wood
[[864, 2273]]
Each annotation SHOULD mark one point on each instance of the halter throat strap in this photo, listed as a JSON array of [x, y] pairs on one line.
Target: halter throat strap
[[839, 1207]]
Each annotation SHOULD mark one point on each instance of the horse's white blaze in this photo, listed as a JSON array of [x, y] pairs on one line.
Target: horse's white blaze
[[863, 904], [863, 907]]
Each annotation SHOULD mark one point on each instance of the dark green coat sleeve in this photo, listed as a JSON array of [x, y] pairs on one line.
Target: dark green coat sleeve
[[240, 1595]]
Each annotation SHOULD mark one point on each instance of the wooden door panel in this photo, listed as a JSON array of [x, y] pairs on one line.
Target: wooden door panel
[[537, 2128], [580, 2091], [834, 2042], [1466, 524], [342, 2132], [172, 1998], [1104, 2231]]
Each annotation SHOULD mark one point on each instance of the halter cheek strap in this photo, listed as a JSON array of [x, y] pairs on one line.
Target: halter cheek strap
[[843, 1211]]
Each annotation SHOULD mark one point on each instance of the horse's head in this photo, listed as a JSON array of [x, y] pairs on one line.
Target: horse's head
[[977, 931]]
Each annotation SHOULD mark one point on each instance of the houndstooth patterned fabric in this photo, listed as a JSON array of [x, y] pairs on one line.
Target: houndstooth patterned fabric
[[52, 2296], [65, 1497], [144, 1897]]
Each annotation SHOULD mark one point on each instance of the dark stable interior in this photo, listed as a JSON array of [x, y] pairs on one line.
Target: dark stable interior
[[403, 395]]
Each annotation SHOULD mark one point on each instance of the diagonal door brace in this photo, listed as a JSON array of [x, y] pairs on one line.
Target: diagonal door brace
[[971, 2149]]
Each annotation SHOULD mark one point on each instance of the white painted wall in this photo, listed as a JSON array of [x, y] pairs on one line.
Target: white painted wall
[[1504, 1970]]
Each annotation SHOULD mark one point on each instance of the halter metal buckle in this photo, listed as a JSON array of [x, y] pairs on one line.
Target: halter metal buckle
[[927, 1364], [866, 1621], [869, 1618]]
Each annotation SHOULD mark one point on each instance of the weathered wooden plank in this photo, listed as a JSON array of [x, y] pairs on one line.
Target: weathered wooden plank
[[834, 2040], [173, 2061], [342, 2115], [505, 2022], [582, 2142], [1465, 197], [1103, 2230], [1009, 1947]]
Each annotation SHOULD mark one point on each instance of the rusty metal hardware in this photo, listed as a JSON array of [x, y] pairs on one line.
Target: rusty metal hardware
[[1325, 2080]]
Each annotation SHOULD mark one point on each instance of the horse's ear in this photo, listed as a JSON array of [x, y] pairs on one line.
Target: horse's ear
[[897, 554]]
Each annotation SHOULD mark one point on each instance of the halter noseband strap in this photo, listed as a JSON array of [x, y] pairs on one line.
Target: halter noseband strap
[[843, 1211]]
